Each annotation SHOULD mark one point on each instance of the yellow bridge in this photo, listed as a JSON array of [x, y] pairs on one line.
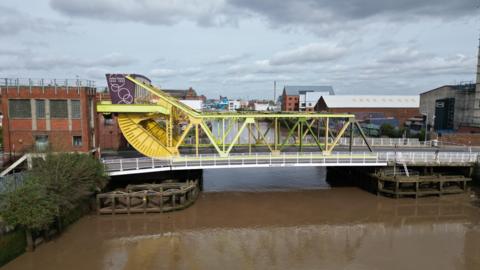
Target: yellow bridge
[[160, 126]]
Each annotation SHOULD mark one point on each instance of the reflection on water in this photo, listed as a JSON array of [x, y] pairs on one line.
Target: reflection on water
[[337, 228], [358, 246]]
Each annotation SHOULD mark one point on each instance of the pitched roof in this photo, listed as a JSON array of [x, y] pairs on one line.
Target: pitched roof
[[293, 90], [370, 101], [180, 94]]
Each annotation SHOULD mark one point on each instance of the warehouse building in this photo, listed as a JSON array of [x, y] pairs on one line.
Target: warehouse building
[[48, 114], [450, 107], [367, 107], [303, 98]]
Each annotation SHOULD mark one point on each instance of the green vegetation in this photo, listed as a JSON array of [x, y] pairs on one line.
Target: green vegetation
[[52, 191], [12, 244], [390, 131]]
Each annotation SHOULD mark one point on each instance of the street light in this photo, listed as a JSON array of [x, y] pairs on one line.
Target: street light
[[426, 126]]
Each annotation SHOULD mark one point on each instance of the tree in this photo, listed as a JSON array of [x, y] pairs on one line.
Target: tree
[[54, 186], [387, 130], [68, 178], [30, 207]]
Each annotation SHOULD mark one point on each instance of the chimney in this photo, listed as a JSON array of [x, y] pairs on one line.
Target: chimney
[[478, 69]]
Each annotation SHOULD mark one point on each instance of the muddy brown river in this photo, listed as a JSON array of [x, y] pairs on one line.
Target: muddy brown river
[[280, 219]]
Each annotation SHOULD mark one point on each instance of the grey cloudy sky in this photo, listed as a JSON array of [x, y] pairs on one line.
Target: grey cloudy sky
[[239, 47]]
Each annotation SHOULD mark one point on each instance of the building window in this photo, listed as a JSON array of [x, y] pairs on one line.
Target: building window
[[40, 108], [77, 141], [108, 119], [19, 108], [108, 122], [59, 108], [76, 109], [41, 142]]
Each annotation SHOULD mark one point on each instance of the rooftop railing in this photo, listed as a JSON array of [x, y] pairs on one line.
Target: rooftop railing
[[31, 82]]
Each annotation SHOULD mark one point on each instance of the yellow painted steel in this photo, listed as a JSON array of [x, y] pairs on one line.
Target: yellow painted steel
[[145, 135], [161, 128]]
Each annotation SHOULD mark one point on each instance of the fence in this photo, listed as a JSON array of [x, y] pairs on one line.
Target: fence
[[11, 181], [31, 82], [245, 160]]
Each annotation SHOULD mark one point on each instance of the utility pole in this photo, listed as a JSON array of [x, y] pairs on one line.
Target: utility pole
[[275, 92], [426, 127]]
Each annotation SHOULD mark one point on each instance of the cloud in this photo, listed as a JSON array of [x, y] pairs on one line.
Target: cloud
[[96, 73], [255, 78], [260, 66], [167, 73], [29, 60], [61, 61], [229, 59], [291, 61], [323, 11], [322, 17], [311, 53], [13, 22], [164, 12], [404, 64]]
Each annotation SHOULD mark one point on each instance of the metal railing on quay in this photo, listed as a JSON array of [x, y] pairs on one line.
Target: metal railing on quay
[[241, 159], [429, 157], [314, 158]]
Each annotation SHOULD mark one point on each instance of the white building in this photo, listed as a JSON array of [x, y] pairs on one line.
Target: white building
[[309, 95], [234, 105], [196, 104], [261, 106]]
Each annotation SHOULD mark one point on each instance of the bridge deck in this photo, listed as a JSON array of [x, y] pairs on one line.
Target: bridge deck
[[287, 159]]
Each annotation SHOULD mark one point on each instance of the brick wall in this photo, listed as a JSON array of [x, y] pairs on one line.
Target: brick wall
[[402, 114], [19, 134], [289, 103], [111, 137], [461, 138]]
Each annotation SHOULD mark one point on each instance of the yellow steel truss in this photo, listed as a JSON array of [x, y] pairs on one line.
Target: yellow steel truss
[[161, 129]]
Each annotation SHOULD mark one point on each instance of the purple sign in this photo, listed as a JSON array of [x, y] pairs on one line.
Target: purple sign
[[122, 90]]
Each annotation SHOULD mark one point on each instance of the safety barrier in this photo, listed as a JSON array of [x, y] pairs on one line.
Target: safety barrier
[[287, 159]]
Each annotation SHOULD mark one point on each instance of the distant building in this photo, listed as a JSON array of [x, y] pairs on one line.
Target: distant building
[[451, 107], [187, 94], [56, 114], [261, 106], [289, 99], [110, 136], [234, 105], [415, 124], [399, 107], [310, 95], [303, 98], [196, 104]]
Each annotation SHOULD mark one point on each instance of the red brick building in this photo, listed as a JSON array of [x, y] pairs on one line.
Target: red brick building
[[109, 133], [398, 107], [55, 115], [290, 100]]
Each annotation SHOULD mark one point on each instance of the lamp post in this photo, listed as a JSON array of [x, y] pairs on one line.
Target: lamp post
[[426, 126]]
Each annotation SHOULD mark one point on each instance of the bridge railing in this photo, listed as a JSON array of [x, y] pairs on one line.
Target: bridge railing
[[243, 160], [145, 164], [421, 158]]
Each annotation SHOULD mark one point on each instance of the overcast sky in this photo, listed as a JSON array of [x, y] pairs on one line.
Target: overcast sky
[[239, 47]]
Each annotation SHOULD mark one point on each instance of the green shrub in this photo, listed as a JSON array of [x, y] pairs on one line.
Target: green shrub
[[12, 245]]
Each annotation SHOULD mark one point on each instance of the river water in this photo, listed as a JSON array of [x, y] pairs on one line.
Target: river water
[[275, 219]]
